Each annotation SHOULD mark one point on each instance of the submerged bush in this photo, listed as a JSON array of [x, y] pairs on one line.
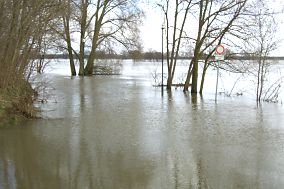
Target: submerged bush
[[107, 67]]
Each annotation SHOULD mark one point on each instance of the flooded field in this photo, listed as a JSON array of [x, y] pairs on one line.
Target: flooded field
[[118, 132]]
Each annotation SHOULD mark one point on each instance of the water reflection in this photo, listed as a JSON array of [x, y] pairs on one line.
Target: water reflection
[[113, 132]]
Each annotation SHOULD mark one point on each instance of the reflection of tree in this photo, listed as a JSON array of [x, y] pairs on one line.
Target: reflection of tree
[[249, 165], [89, 150], [181, 157], [228, 154], [4, 176], [40, 164], [22, 155], [198, 124], [198, 148], [260, 151]]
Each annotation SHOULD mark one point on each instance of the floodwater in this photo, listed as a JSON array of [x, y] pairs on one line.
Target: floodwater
[[118, 132]]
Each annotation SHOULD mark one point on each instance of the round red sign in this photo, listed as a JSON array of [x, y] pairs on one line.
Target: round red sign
[[220, 50]]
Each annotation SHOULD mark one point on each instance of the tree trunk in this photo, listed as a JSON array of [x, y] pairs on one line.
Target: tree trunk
[[202, 80], [194, 77], [81, 58], [169, 81], [66, 21], [89, 69], [95, 41], [84, 9], [90, 64], [260, 78], [71, 59], [258, 81], [206, 65], [189, 73]]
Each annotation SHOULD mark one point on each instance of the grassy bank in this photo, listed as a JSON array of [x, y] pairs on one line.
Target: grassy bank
[[6, 117], [16, 104]]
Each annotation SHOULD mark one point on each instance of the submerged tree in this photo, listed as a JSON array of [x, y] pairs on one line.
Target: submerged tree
[[215, 19], [261, 29], [66, 16], [175, 31], [103, 24]]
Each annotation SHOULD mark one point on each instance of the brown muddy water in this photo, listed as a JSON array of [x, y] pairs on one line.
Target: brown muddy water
[[117, 132]]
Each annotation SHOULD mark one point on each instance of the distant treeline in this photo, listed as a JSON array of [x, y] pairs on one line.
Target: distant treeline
[[153, 56], [102, 55]]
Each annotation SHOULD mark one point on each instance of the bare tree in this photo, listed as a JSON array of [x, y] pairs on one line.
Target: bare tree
[[83, 19], [67, 15], [261, 29], [103, 24], [115, 21], [215, 19], [22, 26], [175, 28]]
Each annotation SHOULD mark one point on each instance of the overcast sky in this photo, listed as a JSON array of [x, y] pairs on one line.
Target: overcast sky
[[151, 30]]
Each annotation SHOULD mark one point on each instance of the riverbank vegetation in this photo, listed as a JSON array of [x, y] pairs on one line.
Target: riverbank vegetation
[[23, 26], [16, 103]]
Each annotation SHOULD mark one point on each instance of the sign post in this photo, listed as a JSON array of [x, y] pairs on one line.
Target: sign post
[[219, 56]]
